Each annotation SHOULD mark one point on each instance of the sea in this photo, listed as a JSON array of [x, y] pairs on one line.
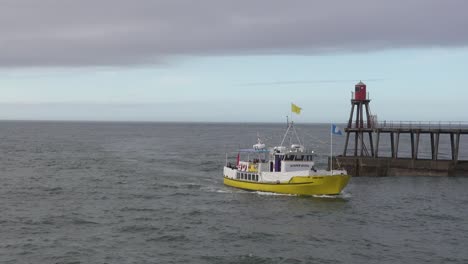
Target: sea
[[116, 192]]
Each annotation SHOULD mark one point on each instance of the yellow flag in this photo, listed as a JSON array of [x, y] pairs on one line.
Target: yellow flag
[[296, 109]]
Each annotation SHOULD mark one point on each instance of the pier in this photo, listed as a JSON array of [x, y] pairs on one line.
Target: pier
[[365, 156]]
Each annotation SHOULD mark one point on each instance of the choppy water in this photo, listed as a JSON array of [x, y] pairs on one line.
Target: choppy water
[[153, 193]]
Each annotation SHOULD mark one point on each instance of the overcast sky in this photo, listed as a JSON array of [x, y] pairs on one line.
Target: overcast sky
[[60, 56]]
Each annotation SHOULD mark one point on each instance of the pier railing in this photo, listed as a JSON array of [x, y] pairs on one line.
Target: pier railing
[[413, 124], [394, 129]]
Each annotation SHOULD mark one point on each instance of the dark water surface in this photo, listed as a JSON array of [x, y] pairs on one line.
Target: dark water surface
[[153, 193]]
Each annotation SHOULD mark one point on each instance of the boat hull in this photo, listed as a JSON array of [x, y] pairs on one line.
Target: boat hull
[[309, 185]]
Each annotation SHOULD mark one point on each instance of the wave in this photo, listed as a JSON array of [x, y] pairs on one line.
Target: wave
[[168, 238], [249, 259], [342, 195], [130, 209], [139, 228], [273, 194]]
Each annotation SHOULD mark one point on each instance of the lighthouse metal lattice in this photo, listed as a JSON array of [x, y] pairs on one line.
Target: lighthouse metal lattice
[[359, 126]]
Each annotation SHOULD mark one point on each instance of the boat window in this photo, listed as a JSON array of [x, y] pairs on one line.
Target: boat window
[[299, 158], [237, 175], [256, 177], [250, 177]]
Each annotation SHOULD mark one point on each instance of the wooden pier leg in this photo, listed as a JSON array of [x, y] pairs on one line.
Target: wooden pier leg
[[356, 141], [350, 122], [362, 143], [392, 143], [346, 144], [457, 147], [412, 144], [376, 154], [416, 148], [436, 146], [452, 145], [371, 142], [397, 144], [433, 146], [357, 115], [362, 117], [369, 125]]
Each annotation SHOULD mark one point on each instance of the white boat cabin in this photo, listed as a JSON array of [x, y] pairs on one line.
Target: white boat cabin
[[280, 159], [293, 161]]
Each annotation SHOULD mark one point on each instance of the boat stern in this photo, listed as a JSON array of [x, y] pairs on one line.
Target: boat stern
[[229, 172]]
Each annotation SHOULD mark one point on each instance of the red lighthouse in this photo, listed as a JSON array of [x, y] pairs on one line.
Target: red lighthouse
[[360, 93], [360, 122]]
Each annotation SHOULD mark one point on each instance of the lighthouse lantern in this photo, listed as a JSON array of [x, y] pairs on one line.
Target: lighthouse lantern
[[360, 93]]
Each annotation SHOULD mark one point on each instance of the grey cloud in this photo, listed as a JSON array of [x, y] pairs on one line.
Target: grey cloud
[[124, 32]]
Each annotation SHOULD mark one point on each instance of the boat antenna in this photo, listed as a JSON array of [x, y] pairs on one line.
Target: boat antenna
[[297, 136], [287, 133]]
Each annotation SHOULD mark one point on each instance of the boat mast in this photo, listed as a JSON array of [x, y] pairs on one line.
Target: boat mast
[[297, 136], [286, 134], [291, 125], [331, 149]]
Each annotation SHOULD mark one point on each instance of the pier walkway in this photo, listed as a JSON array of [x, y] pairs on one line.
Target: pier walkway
[[415, 129]]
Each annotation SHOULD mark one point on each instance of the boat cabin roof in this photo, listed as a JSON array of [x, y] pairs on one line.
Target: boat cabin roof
[[294, 153], [254, 151], [294, 156]]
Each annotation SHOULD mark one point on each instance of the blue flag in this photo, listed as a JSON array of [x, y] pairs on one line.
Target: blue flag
[[336, 130]]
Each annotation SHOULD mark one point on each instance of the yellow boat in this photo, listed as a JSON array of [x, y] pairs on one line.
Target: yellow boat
[[320, 185], [286, 170]]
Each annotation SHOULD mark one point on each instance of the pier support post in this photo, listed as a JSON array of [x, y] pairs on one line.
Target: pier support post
[[392, 143], [412, 144], [371, 143], [369, 123], [346, 145], [362, 143], [452, 145], [376, 153], [362, 117], [350, 122], [358, 110], [433, 146], [356, 141], [436, 146], [457, 147], [397, 144], [416, 148]]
